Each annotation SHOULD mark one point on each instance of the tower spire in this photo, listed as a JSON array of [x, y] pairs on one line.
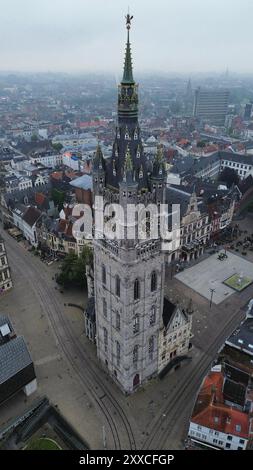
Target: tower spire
[[128, 69]]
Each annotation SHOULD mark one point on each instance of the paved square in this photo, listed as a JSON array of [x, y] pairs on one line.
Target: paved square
[[211, 274]]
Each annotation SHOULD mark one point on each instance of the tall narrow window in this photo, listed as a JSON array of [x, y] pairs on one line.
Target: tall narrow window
[[135, 354], [151, 345], [117, 321], [104, 308], [103, 274], [153, 281], [152, 319], [105, 339], [136, 324], [136, 289], [118, 353], [117, 285]]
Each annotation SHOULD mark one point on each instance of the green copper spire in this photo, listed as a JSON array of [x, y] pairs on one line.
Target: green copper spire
[[128, 69], [158, 165]]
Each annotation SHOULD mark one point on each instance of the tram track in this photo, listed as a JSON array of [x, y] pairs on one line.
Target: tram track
[[116, 420]]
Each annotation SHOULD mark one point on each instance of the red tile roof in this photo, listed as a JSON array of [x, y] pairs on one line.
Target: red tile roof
[[211, 411], [57, 175], [40, 198]]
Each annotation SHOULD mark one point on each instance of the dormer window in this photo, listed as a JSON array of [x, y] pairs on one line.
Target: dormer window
[[140, 174], [127, 136]]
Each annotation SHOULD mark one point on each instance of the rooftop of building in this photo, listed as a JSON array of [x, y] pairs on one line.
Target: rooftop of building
[[31, 215], [83, 182], [242, 337], [14, 357], [212, 412]]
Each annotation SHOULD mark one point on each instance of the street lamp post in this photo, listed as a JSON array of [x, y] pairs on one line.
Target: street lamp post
[[211, 299]]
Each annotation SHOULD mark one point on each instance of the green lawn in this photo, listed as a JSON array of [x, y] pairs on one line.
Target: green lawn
[[43, 444], [238, 282]]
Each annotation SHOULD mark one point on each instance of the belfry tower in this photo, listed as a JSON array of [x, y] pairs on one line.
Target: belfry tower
[[129, 273]]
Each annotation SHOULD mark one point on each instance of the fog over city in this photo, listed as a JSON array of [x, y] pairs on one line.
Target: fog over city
[[168, 36]]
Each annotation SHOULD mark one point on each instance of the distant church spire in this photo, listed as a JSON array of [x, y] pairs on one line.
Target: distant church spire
[[98, 163], [128, 69]]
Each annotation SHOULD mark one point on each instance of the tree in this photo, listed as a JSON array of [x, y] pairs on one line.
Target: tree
[[229, 176], [58, 147], [73, 269], [58, 198], [201, 144], [34, 138]]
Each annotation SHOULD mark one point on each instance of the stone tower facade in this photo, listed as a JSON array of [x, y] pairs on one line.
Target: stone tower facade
[[129, 273]]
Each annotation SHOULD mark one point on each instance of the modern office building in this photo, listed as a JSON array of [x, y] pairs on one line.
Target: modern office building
[[211, 105]]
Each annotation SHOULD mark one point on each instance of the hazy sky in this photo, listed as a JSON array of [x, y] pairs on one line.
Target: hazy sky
[[167, 35]]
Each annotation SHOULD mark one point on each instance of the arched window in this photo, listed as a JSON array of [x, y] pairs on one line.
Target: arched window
[[151, 346], [117, 321], [104, 308], [103, 274], [118, 353], [136, 380], [136, 324], [153, 281], [117, 285], [105, 339], [135, 354], [153, 316], [136, 289]]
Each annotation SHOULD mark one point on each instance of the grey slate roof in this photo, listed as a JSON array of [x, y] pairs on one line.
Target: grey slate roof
[[168, 310], [178, 196], [234, 392], [242, 337], [31, 215], [83, 182], [236, 157], [14, 357]]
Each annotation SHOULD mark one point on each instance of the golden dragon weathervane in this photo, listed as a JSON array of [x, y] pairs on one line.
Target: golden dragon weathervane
[[128, 20]]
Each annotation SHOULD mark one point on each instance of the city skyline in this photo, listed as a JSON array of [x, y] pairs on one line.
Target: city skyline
[[169, 37]]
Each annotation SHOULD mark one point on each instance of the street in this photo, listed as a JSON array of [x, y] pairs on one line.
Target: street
[[156, 417]]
